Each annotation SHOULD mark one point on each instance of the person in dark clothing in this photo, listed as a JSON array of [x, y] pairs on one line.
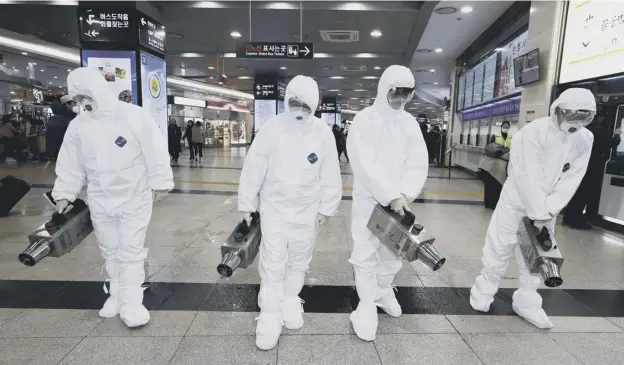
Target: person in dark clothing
[[57, 126], [9, 138], [174, 136], [442, 146], [343, 133], [434, 140], [188, 135], [587, 196], [340, 141]]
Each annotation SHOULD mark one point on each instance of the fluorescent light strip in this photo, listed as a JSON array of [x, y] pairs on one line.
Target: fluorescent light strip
[[40, 49], [209, 88]]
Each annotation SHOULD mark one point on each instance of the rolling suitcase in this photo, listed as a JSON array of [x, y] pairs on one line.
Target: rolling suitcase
[[12, 190]]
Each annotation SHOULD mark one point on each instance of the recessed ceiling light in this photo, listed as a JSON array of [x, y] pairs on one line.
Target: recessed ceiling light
[[339, 94], [12, 92], [55, 77], [68, 70], [42, 70], [50, 82], [435, 83], [283, 68], [432, 70], [210, 68], [25, 53], [359, 90], [333, 90], [244, 77], [370, 77], [34, 63], [337, 77], [353, 98], [376, 33], [229, 55], [466, 9], [377, 68], [438, 50], [235, 34]]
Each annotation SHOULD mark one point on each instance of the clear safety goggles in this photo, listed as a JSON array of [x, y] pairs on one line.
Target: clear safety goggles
[[86, 102], [295, 104], [580, 116], [399, 96]]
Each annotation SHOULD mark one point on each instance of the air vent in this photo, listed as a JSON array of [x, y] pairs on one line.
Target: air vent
[[421, 70], [424, 50], [340, 36], [445, 10], [353, 68]]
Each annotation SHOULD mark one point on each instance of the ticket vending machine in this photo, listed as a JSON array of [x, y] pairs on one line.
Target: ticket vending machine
[[612, 195]]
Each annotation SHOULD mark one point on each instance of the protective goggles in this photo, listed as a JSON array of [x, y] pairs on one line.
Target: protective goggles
[[400, 95], [580, 116], [295, 104]]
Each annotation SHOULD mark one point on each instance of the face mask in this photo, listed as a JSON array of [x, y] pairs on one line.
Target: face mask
[[76, 109], [573, 120], [399, 96], [570, 127], [299, 109], [504, 130]]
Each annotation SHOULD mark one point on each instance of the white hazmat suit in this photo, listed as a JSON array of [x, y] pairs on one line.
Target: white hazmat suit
[[291, 175], [390, 162], [547, 164], [118, 150]]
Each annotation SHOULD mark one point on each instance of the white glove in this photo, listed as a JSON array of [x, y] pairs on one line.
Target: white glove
[[541, 224], [61, 205], [321, 220], [158, 195], [398, 205], [245, 216]]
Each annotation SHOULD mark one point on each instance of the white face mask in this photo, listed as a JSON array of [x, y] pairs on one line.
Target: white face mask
[[76, 109], [570, 127], [505, 130]]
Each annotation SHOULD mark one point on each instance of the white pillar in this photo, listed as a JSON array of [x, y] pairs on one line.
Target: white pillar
[[546, 33]]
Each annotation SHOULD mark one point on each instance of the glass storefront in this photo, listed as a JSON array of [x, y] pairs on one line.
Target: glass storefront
[[479, 132]]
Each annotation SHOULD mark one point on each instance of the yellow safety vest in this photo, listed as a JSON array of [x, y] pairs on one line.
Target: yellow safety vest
[[503, 142]]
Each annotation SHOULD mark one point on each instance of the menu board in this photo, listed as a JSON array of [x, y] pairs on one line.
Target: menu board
[[263, 110], [477, 88], [469, 85], [505, 84], [154, 89], [593, 41], [489, 78], [118, 69], [461, 92]]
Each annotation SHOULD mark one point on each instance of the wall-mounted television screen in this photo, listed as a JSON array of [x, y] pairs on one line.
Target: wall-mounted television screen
[[527, 68]]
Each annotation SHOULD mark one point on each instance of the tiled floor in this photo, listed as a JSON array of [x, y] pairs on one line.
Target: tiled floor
[[197, 322]]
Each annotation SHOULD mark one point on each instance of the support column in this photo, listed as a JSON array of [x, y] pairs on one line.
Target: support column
[[545, 32], [5, 98]]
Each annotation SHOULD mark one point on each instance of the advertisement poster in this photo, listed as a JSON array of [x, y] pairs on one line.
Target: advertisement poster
[[118, 69], [594, 40], [489, 78], [154, 89], [461, 92], [263, 110], [469, 86], [477, 88], [505, 83]]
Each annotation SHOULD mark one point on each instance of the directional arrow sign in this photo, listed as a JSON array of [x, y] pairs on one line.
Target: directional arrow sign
[[275, 50]]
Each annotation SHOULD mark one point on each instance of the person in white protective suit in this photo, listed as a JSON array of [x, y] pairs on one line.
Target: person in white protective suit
[[118, 150], [292, 177], [390, 162], [548, 159]]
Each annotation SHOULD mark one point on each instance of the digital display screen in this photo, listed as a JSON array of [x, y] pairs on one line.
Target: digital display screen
[[154, 89], [526, 68]]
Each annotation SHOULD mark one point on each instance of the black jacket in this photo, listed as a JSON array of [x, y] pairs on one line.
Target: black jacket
[[57, 126]]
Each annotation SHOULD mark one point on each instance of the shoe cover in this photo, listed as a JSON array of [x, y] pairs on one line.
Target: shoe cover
[[364, 320], [131, 309], [527, 303], [482, 294], [268, 331], [111, 306], [293, 313], [388, 303]]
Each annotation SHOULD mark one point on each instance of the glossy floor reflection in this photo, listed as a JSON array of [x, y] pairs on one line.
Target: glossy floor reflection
[[48, 313]]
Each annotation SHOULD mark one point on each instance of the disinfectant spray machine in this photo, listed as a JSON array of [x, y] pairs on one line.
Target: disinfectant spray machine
[[241, 247], [403, 236], [540, 252], [61, 234]]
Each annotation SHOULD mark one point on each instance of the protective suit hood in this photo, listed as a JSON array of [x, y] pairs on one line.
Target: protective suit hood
[[393, 76], [574, 99], [90, 82], [303, 88]]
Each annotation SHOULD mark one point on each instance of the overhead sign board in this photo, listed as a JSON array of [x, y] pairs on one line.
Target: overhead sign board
[[151, 34], [106, 25], [273, 50]]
